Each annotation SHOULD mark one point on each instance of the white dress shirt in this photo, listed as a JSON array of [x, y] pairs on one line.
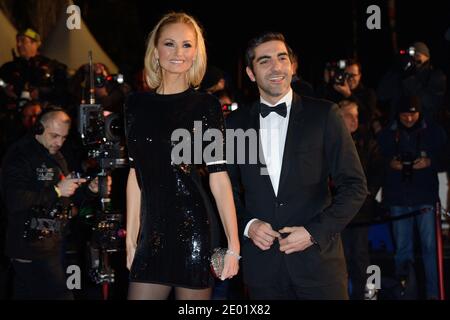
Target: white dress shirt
[[272, 133]]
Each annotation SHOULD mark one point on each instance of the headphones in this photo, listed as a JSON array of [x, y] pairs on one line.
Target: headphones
[[38, 127]]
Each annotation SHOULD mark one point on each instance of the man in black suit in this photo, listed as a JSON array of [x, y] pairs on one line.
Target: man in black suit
[[291, 246]]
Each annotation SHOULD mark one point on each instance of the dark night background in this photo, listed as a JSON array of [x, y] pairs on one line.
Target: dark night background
[[318, 31]]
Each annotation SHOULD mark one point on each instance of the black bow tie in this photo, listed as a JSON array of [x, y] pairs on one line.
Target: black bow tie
[[281, 109]]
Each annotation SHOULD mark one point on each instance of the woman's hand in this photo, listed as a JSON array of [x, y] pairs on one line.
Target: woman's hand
[[231, 266], [131, 250]]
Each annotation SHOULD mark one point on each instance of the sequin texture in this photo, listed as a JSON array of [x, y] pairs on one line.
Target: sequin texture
[[177, 221]]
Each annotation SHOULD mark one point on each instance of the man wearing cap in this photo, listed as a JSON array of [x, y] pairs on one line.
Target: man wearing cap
[[412, 148], [426, 82], [31, 74], [28, 43]]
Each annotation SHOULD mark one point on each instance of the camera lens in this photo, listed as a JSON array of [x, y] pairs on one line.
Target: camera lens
[[113, 127]]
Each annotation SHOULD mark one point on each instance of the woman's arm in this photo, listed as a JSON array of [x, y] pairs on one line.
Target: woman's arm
[[221, 190], [133, 215]]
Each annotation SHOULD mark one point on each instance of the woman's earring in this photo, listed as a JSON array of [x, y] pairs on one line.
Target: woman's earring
[[157, 63]]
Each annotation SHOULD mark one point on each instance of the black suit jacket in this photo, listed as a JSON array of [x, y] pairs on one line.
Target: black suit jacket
[[317, 146]]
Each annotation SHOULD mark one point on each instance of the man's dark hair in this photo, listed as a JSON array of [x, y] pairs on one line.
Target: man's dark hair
[[351, 62], [260, 39]]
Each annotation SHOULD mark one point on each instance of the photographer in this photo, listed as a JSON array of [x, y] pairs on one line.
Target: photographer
[[426, 82], [110, 90], [413, 74], [343, 82], [411, 147], [39, 194], [298, 84], [42, 78], [355, 236], [14, 125]]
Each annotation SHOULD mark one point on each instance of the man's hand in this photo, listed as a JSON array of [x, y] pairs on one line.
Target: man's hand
[[421, 163], [396, 164], [68, 186], [262, 234], [298, 239], [343, 89]]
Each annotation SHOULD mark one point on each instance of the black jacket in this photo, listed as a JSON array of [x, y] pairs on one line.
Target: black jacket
[[29, 174], [317, 145], [372, 163], [426, 82], [426, 137], [47, 75]]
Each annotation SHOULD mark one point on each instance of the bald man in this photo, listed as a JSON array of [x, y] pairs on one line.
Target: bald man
[[35, 182]]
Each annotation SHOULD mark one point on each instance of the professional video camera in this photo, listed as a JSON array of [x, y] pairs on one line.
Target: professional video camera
[[103, 135], [102, 132], [337, 72]]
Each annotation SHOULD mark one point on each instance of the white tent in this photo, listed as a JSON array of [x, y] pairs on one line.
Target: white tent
[[71, 47], [7, 39]]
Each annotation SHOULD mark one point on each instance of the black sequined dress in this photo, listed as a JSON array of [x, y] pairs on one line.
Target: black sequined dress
[[177, 223]]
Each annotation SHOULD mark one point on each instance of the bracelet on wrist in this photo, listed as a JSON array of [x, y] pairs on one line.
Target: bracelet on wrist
[[232, 253]]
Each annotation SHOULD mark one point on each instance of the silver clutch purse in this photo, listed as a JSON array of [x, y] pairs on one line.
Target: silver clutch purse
[[218, 261]]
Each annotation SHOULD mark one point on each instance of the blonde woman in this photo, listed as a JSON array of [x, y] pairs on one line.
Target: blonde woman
[[169, 217]]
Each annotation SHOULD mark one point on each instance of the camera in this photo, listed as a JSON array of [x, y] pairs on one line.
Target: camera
[[103, 135], [100, 80], [107, 231], [43, 76], [107, 237], [407, 160], [230, 107], [337, 72], [102, 132], [406, 59]]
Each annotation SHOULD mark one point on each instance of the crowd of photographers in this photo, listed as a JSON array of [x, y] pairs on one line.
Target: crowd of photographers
[[400, 135], [49, 183], [398, 130]]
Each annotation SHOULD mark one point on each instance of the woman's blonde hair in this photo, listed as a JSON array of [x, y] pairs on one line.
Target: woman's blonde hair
[[153, 74]]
